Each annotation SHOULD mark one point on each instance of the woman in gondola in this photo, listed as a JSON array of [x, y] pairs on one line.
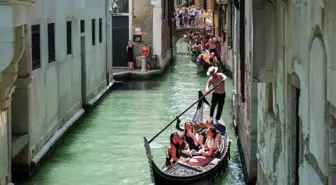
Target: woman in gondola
[[213, 59], [191, 137], [184, 147], [209, 124], [174, 148], [208, 152]]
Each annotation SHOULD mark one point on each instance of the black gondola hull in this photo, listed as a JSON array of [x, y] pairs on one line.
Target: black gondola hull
[[161, 178], [202, 65]]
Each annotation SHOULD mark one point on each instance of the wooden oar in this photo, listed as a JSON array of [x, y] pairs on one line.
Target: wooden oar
[[185, 112]]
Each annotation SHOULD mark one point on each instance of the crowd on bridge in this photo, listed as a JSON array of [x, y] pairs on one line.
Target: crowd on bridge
[[191, 16]]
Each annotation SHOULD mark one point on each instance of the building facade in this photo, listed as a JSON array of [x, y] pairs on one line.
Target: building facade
[[245, 89], [13, 49], [122, 12], [59, 65], [162, 40], [143, 19], [284, 88]]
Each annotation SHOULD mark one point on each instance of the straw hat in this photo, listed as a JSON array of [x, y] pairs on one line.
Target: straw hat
[[212, 70]]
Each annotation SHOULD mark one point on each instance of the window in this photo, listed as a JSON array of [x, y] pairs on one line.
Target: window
[[216, 6], [164, 10], [51, 42], [36, 53], [82, 26], [69, 38], [93, 32], [100, 30], [120, 6]]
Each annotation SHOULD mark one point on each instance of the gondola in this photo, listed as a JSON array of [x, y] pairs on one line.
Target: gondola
[[183, 174], [194, 58], [206, 65], [202, 65]]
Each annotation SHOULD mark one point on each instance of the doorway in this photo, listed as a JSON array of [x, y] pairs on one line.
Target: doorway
[[296, 135], [83, 69], [120, 37]]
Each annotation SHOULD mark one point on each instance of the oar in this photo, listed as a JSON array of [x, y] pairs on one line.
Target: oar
[[185, 112]]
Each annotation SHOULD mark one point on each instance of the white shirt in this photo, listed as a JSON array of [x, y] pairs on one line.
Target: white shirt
[[192, 12], [198, 13], [212, 144]]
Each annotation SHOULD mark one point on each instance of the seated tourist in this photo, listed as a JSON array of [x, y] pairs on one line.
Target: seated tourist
[[184, 147], [190, 137], [174, 148], [208, 152], [209, 124], [212, 58], [198, 126]]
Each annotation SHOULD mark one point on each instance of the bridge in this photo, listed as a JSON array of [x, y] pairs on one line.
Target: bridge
[[179, 32]]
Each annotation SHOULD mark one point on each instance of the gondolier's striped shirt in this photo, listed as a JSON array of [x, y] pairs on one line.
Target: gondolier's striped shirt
[[215, 81]]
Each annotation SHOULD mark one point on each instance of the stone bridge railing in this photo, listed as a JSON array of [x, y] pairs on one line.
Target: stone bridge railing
[[179, 32]]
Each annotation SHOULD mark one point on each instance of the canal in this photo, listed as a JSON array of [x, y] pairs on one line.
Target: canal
[[106, 148]]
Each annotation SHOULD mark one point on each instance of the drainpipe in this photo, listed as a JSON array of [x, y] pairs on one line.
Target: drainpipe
[[242, 48]]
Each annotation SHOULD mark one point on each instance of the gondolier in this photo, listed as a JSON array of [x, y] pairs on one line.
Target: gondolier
[[218, 96]]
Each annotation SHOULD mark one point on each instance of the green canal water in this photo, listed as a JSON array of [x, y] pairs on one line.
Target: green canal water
[[106, 148]]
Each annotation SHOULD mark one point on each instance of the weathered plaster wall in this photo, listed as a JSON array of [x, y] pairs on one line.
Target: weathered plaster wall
[[147, 14], [12, 46], [161, 32], [143, 8], [5, 173], [165, 29], [55, 93], [305, 48], [143, 12], [6, 53], [246, 118]]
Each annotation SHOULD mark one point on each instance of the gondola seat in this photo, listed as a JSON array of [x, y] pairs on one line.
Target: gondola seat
[[215, 161]]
